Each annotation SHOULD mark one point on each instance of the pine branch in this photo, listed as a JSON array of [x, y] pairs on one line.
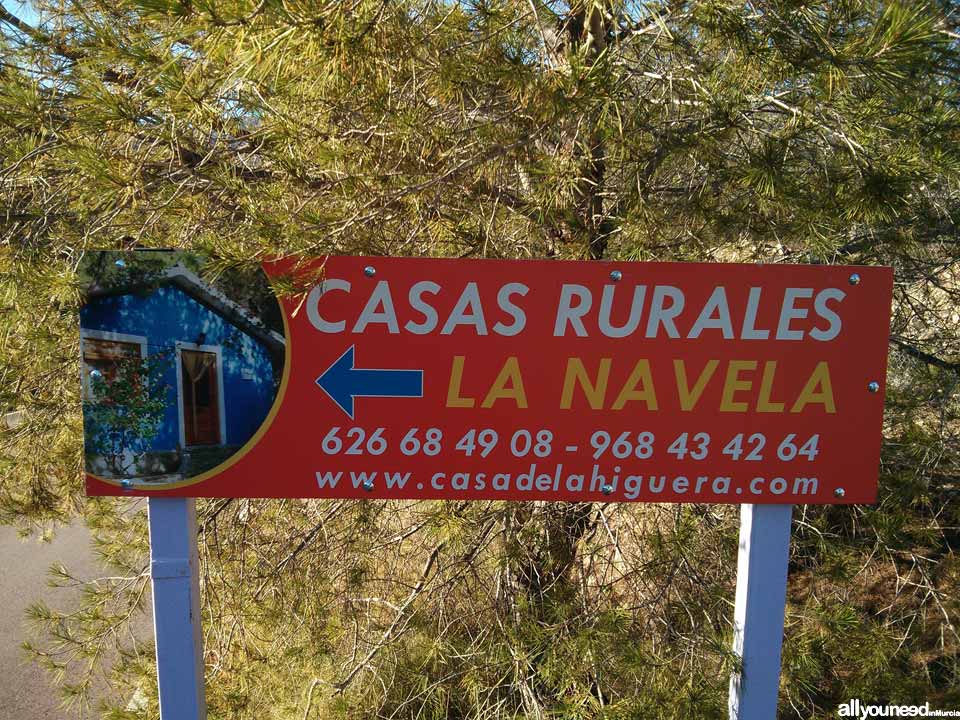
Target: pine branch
[[12, 20], [38, 35], [926, 357], [388, 633]]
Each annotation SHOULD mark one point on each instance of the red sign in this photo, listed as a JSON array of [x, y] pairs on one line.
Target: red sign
[[577, 381]]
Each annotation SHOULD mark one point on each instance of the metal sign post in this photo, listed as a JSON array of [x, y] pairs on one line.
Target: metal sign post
[[759, 610], [758, 615], [174, 568]]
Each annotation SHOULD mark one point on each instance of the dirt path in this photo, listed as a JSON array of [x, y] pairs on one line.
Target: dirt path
[[25, 692]]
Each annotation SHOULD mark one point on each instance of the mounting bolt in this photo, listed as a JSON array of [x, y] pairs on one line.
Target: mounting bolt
[[839, 492], [606, 489], [369, 271], [616, 275], [873, 386], [368, 485], [126, 484], [855, 279]]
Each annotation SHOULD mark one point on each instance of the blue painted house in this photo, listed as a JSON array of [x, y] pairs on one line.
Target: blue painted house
[[221, 366]]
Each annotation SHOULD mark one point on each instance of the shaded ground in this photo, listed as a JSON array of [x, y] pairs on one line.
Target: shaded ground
[[25, 693]]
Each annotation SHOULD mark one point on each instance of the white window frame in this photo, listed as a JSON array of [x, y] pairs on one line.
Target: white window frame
[[222, 410], [140, 340]]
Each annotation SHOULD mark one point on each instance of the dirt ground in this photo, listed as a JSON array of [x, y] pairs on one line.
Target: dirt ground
[[25, 693]]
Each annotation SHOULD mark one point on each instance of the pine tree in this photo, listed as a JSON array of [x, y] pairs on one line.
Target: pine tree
[[774, 131]]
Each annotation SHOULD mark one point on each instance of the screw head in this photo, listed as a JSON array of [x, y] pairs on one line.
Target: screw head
[[368, 485], [616, 275], [873, 386], [855, 279], [839, 492], [369, 271], [606, 489], [126, 484]]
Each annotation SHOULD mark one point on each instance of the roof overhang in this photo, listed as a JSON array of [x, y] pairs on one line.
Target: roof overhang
[[207, 295]]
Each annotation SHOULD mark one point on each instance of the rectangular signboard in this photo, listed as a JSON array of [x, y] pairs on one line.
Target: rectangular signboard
[[487, 379]]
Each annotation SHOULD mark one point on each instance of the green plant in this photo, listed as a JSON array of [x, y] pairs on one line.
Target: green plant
[[125, 410]]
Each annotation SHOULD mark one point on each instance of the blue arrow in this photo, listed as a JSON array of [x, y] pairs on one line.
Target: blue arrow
[[343, 382]]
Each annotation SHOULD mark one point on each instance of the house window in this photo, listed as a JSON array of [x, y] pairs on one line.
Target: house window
[[102, 358]]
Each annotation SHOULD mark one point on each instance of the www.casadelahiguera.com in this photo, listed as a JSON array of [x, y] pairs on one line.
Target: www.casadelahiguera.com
[[856, 708], [547, 477]]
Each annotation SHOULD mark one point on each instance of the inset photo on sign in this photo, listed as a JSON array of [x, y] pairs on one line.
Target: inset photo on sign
[[179, 371]]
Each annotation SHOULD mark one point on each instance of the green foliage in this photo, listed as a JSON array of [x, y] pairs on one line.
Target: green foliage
[[773, 131], [123, 413]]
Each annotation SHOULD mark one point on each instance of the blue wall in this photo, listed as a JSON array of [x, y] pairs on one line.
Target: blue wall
[[167, 315]]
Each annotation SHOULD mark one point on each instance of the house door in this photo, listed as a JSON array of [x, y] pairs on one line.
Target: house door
[[201, 407]]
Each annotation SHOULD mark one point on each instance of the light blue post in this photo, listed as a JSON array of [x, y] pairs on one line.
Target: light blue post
[[758, 612], [174, 568]]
